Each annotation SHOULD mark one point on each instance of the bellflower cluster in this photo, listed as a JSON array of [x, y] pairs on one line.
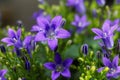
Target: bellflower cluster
[[106, 34], [80, 22], [78, 5], [114, 69], [50, 31], [59, 67]]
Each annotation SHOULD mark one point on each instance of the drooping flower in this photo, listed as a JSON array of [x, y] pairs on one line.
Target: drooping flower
[[2, 73], [50, 31], [78, 5], [80, 23], [13, 38], [106, 34], [29, 44], [94, 13], [59, 67], [100, 2], [114, 69]]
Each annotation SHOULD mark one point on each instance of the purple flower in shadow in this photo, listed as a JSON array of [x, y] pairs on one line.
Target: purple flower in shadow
[[106, 34], [41, 13], [59, 67], [114, 69], [78, 5], [29, 44], [13, 38], [50, 31], [80, 23], [100, 2], [2, 73]]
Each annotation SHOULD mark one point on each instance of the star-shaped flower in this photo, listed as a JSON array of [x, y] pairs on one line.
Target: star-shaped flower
[[114, 69], [50, 31], [59, 67]]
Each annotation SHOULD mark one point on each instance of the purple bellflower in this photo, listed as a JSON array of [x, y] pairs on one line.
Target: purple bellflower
[[50, 31], [2, 73], [78, 5], [29, 44], [106, 34], [13, 39], [59, 67], [114, 69], [80, 23], [100, 2]]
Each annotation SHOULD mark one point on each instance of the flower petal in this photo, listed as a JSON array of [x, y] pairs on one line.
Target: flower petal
[[113, 28], [53, 43], [19, 33], [115, 61], [100, 69], [7, 40], [66, 73], [106, 62], [36, 28], [11, 33], [57, 21], [106, 27], [67, 62], [97, 37], [57, 58], [55, 75], [62, 33], [50, 65], [42, 22], [40, 36], [97, 31], [3, 72]]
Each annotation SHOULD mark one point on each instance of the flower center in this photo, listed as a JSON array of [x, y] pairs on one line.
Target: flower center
[[105, 34], [112, 70], [0, 78], [51, 34], [59, 68], [15, 39], [80, 24]]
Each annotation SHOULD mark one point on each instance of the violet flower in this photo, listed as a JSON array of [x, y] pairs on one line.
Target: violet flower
[[78, 5], [106, 34], [59, 67], [100, 2], [29, 44], [41, 13], [13, 38], [2, 73], [114, 69], [50, 31], [80, 23], [117, 1]]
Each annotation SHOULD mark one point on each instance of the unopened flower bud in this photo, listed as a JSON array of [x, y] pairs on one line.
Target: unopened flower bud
[[98, 54], [19, 23], [84, 49], [27, 65], [2, 47]]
